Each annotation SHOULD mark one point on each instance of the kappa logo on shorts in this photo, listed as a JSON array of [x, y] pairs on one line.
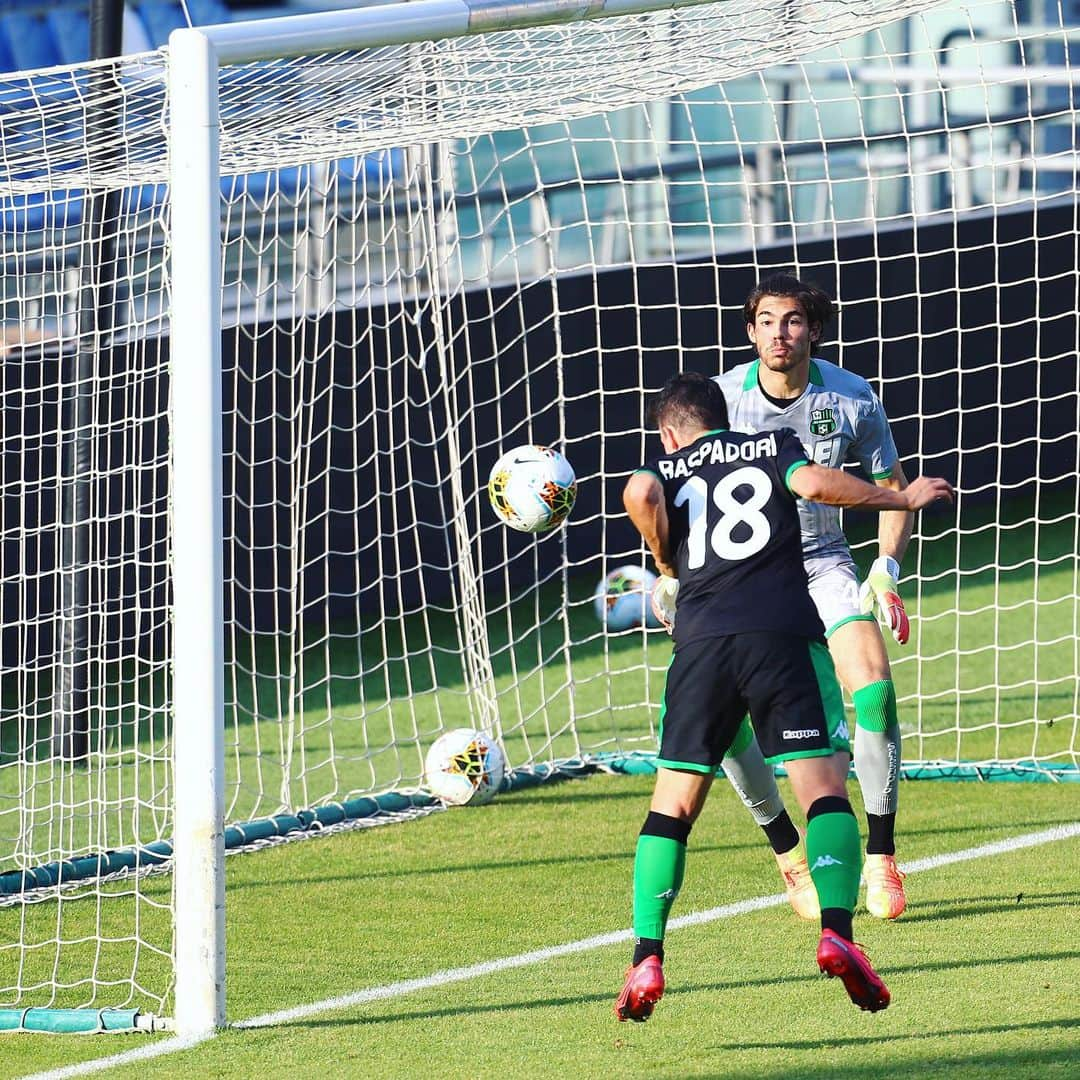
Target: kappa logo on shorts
[[843, 733], [822, 421], [825, 860], [801, 733]]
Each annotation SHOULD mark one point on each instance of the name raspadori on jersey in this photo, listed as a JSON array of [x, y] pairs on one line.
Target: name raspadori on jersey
[[717, 450]]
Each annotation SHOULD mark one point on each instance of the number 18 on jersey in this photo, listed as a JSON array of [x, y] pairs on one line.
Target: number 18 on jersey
[[735, 535]]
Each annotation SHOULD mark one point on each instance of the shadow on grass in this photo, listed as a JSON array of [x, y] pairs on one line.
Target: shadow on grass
[[467, 868], [1032, 1063], [675, 990], [580, 792], [988, 905], [1065, 1023], [1057, 1061]]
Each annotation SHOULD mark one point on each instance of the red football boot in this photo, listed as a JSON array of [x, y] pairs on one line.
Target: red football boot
[[643, 988], [837, 956]]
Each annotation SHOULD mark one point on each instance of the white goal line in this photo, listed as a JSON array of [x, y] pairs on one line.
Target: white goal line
[[536, 956]]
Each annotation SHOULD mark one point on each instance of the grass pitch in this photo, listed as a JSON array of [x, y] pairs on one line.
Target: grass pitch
[[983, 967]]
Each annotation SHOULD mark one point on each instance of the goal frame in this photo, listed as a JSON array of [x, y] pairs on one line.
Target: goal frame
[[195, 58]]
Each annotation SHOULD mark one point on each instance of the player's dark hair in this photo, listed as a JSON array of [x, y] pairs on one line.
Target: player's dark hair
[[690, 399], [816, 303]]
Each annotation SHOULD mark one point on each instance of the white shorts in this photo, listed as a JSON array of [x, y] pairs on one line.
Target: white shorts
[[834, 588]]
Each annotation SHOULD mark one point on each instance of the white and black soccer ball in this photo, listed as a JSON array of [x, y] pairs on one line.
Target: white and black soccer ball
[[464, 767], [623, 599], [532, 488]]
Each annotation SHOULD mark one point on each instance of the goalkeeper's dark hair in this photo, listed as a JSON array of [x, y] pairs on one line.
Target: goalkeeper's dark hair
[[816, 303], [688, 400]]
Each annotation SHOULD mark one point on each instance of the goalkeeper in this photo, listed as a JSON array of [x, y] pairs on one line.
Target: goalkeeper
[[839, 420]]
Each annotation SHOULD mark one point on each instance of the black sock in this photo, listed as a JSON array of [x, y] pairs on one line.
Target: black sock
[[881, 840], [647, 946], [838, 920], [782, 834]]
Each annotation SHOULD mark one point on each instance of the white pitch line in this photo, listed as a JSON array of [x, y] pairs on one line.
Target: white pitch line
[[490, 967], [143, 1053], [507, 963]]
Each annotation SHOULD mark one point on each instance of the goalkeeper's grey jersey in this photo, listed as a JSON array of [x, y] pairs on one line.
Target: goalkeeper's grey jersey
[[839, 420]]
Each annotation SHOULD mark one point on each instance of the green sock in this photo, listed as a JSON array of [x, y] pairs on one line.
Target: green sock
[[834, 852], [875, 706], [658, 875]]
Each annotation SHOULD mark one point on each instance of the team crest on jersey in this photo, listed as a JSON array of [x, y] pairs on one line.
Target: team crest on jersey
[[822, 422]]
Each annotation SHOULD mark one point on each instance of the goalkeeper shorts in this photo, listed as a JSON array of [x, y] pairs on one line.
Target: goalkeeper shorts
[[834, 588], [786, 681]]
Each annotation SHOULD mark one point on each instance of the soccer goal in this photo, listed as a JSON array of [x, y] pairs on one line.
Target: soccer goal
[[249, 572]]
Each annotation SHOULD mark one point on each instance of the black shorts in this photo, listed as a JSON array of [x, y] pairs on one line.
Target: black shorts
[[785, 681]]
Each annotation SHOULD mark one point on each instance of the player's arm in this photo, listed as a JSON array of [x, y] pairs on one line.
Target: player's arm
[[838, 488], [894, 526], [882, 583], [643, 498]]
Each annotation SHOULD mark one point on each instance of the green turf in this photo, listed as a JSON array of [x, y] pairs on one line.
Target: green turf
[[996, 678], [983, 967]]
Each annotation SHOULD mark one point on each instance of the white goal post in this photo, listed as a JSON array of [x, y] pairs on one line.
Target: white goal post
[[358, 256]]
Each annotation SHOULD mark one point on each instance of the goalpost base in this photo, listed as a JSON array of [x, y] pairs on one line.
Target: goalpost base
[[400, 806], [1024, 771], [81, 1021]]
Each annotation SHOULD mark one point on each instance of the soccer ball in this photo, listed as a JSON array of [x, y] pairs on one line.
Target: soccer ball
[[624, 599], [464, 767], [532, 488]]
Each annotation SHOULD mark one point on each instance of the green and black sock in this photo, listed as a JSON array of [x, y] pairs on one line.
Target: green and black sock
[[833, 850], [659, 865], [781, 833]]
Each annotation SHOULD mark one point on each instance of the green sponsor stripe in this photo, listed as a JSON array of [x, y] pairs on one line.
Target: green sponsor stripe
[[663, 704], [850, 618], [815, 374], [690, 766], [882, 475], [791, 468], [751, 376], [796, 755], [650, 472]]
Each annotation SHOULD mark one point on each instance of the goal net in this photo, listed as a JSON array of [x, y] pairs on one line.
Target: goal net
[[433, 251]]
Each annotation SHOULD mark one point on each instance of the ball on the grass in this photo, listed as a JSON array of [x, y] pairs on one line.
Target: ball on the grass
[[464, 767], [623, 599]]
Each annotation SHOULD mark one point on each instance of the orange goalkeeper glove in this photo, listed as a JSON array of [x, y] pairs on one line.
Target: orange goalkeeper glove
[[880, 587]]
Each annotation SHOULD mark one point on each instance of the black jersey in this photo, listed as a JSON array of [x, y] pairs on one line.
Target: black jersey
[[734, 532]]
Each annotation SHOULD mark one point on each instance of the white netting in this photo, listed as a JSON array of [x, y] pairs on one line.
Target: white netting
[[437, 251]]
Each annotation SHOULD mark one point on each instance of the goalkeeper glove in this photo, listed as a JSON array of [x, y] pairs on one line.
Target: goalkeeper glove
[[880, 587], [664, 594]]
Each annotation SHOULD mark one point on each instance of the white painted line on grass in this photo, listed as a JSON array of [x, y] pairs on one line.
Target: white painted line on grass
[[998, 847], [128, 1057], [508, 963]]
